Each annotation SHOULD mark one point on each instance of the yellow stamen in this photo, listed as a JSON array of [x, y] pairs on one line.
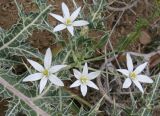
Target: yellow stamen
[[84, 79], [133, 75], [45, 72], [68, 21]]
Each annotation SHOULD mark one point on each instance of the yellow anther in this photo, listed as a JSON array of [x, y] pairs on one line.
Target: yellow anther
[[68, 21], [45, 72], [133, 75], [83, 79]]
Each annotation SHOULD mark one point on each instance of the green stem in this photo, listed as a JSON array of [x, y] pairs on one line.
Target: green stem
[[43, 93], [99, 8], [81, 100], [60, 99], [65, 59], [154, 90], [99, 57]]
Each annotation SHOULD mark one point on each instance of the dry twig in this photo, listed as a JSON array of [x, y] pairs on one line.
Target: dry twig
[[103, 91], [24, 98], [123, 8]]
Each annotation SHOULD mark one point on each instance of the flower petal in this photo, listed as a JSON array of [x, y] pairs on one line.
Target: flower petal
[[140, 68], [127, 83], [84, 90], [124, 71], [75, 14], [92, 85], [77, 74], [58, 17], [80, 23], [33, 77], [59, 27], [42, 85], [85, 69], [75, 84], [55, 80], [71, 30], [129, 63], [56, 68], [144, 79], [93, 75], [36, 65], [48, 59], [137, 83], [65, 10]]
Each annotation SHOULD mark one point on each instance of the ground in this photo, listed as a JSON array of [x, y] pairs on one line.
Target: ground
[[144, 38]]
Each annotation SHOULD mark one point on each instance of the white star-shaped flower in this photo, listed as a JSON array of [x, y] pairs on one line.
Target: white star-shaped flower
[[84, 79], [68, 21], [45, 73], [134, 75]]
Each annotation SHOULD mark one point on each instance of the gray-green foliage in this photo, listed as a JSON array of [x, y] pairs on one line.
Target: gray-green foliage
[[13, 43], [15, 48]]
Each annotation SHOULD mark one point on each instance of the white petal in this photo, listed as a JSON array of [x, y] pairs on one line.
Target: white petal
[[129, 63], [75, 84], [92, 85], [77, 74], [124, 71], [85, 70], [80, 23], [65, 10], [55, 80], [33, 77], [127, 83], [75, 14], [56, 68], [71, 30], [144, 79], [48, 59], [59, 27], [58, 17], [43, 83], [93, 75], [137, 83], [83, 90], [36, 65], [140, 68]]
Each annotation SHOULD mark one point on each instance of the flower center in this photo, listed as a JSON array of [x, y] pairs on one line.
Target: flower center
[[45, 72], [68, 21], [133, 75], [84, 79]]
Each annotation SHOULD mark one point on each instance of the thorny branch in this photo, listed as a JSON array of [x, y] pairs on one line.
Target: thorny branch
[[24, 98]]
